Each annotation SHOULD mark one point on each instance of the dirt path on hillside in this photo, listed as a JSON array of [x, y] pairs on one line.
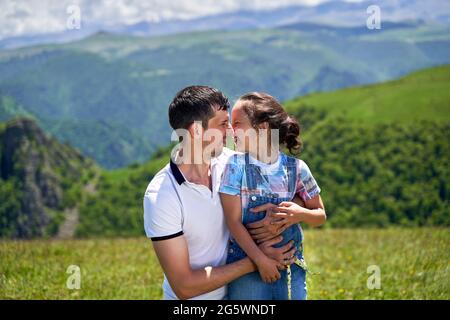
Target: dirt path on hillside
[[72, 215]]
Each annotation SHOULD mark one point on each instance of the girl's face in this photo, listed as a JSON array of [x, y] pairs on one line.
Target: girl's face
[[245, 135]]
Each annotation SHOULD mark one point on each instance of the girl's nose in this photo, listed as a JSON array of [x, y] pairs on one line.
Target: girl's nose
[[230, 131]]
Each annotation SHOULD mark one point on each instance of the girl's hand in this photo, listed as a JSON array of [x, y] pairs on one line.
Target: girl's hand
[[287, 214], [268, 269]]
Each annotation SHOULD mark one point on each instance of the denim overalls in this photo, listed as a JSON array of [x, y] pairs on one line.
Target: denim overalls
[[292, 284]]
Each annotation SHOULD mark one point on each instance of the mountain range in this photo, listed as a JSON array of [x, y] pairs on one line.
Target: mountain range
[[108, 94], [333, 13]]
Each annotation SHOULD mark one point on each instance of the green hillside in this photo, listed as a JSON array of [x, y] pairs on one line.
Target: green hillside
[[423, 95], [381, 151], [116, 209], [107, 95]]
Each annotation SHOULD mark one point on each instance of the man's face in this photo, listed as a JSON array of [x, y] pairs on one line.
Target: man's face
[[219, 124]]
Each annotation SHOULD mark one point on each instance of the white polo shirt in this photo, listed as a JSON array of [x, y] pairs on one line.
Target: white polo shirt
[[174, 207]]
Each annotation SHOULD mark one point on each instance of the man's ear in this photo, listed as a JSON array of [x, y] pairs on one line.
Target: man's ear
[[196, 129]]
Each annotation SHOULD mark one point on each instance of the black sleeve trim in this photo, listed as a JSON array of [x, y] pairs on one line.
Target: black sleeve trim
[[167, 237]]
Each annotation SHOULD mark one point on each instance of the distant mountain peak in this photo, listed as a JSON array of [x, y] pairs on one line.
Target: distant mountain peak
[[101, 33]]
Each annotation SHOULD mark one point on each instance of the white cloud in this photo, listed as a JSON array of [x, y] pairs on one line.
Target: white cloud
[[45, 16]]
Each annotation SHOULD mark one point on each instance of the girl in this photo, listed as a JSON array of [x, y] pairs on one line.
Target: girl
[[262, 174]]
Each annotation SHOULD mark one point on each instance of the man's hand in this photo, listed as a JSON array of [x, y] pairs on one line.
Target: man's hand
[[284, 255], [268, 269], [266, 228], [272, 225]]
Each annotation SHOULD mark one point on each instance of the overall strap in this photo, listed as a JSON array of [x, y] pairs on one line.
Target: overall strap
[[291, 166], [250, 173]]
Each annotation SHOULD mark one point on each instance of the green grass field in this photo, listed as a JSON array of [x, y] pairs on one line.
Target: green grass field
[[414, 264]]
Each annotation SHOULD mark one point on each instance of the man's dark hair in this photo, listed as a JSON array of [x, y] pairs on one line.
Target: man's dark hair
[[196, 103]]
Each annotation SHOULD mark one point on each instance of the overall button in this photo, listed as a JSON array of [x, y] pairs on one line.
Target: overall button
[[231, 251], [253, 198]]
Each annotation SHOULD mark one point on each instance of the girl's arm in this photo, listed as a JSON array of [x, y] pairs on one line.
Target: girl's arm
[[313, 212], [267, 267]]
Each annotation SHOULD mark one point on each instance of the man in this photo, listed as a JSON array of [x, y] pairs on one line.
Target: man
[[183, 214]]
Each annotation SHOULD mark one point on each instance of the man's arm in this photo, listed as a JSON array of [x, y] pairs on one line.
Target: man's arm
[[173, 256], [163, 217]]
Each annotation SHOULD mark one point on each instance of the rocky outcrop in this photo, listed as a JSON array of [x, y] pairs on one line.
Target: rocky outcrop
[[43, 169]]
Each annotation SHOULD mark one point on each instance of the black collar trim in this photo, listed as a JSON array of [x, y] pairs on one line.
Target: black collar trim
[[176, 172]]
